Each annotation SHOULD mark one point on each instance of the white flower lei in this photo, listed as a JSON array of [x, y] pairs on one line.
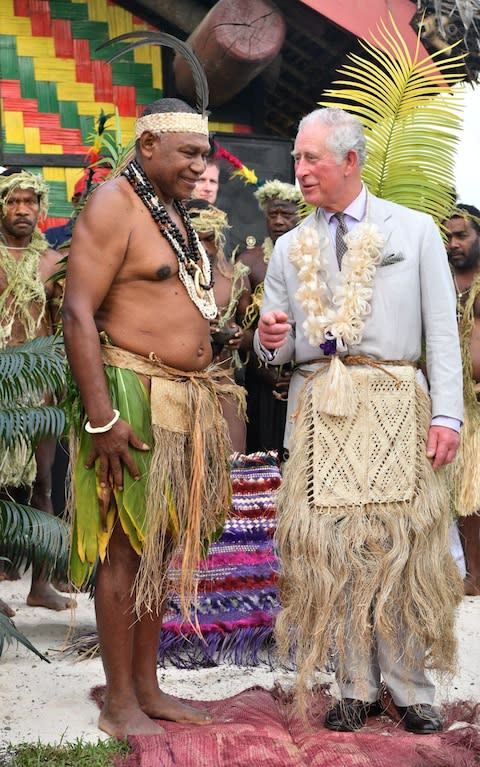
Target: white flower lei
[[341, 316]]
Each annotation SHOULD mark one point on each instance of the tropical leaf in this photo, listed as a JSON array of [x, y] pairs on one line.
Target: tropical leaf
[[30, 424], [24, 530], [114, 154], [412, 117], [31, 369], [27, 372], [10, 633]]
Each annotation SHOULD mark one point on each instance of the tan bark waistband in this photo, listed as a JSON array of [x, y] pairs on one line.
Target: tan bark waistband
[[176, 396]]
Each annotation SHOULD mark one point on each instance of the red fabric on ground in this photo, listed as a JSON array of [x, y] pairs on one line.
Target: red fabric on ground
[[257, 728]]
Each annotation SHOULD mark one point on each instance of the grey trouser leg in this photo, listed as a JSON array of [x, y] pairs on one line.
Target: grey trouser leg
[[406, 686]]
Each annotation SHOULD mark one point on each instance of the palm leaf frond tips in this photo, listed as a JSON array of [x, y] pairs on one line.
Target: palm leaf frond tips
[[412, 116]]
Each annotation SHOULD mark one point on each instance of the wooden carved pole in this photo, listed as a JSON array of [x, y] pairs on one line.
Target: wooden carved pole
[[235, 41]]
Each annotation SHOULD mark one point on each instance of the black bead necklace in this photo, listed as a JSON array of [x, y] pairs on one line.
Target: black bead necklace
[[186, 251]]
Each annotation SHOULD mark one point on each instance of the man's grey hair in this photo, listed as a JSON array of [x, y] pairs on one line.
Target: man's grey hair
[[346, 132]]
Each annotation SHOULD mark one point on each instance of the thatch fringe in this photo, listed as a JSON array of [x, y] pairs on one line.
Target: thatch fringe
[[352, 572], [467, 476], [179, 504]]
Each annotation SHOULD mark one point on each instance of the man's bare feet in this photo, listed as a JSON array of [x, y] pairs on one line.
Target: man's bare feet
[[127, 721], [61, 585], [6, 609], [471, 586], [9, 574], [42, 594], [159, 705]]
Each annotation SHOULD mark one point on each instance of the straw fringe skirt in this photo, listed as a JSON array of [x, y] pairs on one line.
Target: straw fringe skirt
[[363, 531], [180, 502]]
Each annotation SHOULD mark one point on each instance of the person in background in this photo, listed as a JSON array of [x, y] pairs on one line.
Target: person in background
[[58, 236], [463, 248], [208, 184], [28, 296], [267, 386], [232, 295], [363, 511]]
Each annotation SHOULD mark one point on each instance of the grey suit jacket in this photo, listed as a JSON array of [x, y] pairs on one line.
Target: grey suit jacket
[[413, 297]]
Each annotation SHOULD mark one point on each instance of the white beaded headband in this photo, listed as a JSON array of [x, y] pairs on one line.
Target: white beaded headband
[[172, 122]]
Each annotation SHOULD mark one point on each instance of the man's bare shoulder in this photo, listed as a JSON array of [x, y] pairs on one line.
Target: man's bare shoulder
[[106, 217], [115, 191]]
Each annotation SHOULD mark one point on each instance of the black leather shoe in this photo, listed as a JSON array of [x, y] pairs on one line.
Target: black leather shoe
[[420, 719], [351, 714]]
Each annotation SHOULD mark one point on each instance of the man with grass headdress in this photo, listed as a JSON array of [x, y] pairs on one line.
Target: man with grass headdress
[[232, 296], [363, 510], [27, 266], [151, 478], [463, 248], [267, 386]]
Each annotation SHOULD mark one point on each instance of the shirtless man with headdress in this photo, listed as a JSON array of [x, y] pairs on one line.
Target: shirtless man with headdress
[[232, 296], [151, 479], [463, 248], [27, 265], [267, 386]]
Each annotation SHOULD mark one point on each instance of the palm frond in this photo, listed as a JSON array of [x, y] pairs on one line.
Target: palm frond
[[9, 633], [145, 37], [30, 424], [24, 530], [31, 369], [412, 117]]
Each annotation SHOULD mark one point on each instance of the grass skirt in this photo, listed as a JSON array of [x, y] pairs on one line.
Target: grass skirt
[[363, 530], [184, 490]]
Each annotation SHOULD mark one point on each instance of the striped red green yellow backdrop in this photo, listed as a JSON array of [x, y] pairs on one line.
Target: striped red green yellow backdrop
[[54, 83]]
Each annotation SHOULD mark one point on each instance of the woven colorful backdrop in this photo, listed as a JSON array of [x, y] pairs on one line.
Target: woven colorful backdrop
[[54, 83]]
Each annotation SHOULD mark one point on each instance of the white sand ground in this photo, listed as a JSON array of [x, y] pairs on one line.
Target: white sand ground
[[50, 703]]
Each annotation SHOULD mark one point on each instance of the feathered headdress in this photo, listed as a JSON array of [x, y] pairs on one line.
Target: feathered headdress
[[145, 37]]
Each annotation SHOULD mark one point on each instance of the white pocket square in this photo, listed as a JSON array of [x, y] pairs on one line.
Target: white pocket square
[[392, 258]]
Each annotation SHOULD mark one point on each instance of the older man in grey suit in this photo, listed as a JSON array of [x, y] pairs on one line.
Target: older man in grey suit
[[350, 295]]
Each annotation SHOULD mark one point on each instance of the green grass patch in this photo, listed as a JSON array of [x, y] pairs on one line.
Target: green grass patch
[[100, 754]]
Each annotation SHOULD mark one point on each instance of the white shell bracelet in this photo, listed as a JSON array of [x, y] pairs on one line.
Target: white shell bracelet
[[102, 429]]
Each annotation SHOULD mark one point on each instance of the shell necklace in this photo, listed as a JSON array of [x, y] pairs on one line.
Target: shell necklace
[[336, 321], [194, 268]]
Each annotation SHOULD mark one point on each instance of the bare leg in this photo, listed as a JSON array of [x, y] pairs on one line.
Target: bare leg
[[129, 651], [236, 424], [153, 701], [42, 593], [469, 528]]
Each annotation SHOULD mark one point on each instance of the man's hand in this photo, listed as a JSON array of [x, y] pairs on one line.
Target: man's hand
[[442, 445], [112, 451], [236, 341], [273, 329]]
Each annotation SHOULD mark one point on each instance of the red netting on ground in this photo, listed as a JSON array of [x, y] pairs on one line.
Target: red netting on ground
[[258, 729]]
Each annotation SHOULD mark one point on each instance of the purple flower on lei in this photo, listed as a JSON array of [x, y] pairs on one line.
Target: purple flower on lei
[[329, 347]]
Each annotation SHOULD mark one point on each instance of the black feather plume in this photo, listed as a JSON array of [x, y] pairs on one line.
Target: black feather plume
[[146, 37]]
